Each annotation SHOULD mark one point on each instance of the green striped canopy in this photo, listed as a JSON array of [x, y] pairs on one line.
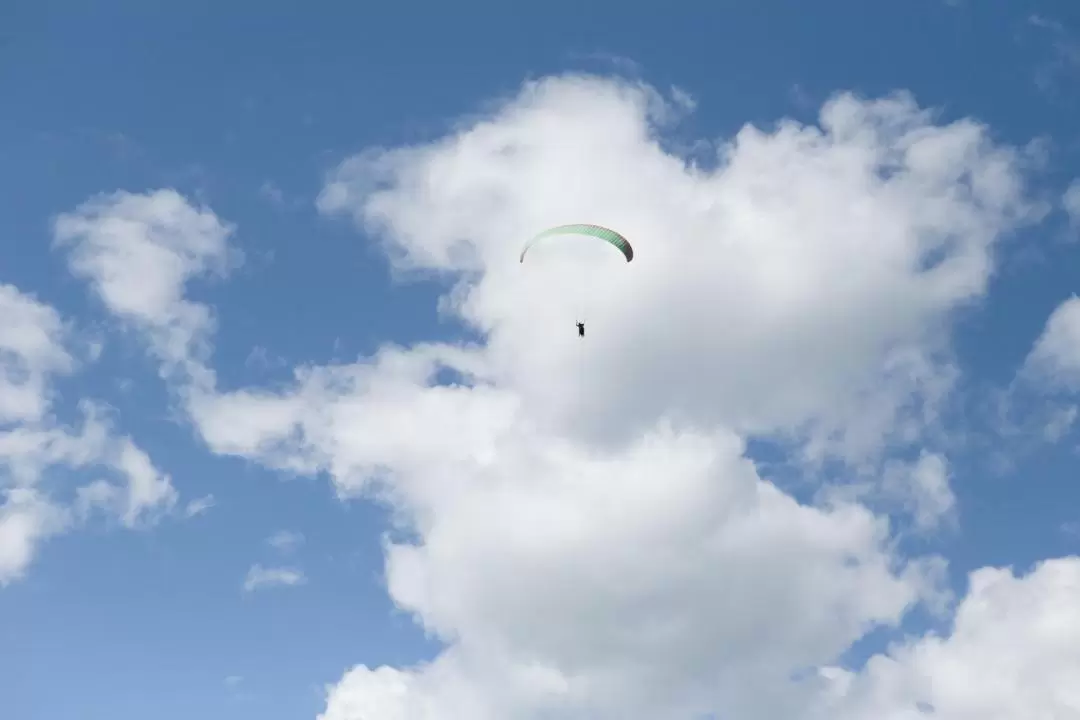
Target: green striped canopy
[[606, 234]]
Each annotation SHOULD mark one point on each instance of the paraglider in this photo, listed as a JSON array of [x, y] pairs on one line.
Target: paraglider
[[585, 230], [606, 234]]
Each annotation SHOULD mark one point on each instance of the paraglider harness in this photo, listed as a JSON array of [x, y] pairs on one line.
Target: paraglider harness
[[581, 329]]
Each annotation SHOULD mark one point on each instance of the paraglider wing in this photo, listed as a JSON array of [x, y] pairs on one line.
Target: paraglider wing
[[606, 234]]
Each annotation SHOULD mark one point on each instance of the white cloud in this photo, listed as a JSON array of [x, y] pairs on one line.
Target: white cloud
[[651, 583], [934, 498], [28, 449], [138, 495], [805, 281], [1060, 423], [259, 359], [923, 488], [259, 577], [1055, 357], [139, 252], [199, 506], [1046, 23], [1071, 202], [33, 442], [31, 352], [1013, 653], [148, 489], [802, 286], [272, 192], [1064, 53], [26, 518], [590, 539], [147, 494], [285, 540]]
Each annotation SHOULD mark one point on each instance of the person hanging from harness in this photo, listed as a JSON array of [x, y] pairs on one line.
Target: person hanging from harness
[[597, 232]]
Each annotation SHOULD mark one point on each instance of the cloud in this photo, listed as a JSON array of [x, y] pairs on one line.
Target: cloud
[[139, 252], [285, 540], [923, 487], [1055, 358], [259, 577], [1059, 423], [26, 518], [31, 352], [1013, 652], [139, 494], [1071, 202], [33, 442], [758, 279], [198, 506], [260, 359], [1065, 53], [588, 536], [272, 192], [1046, 23], [664, 581], [579, 559], [276, 196], [148, 492]]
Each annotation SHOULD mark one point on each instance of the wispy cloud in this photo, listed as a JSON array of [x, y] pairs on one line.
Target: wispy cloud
[[198, 506], [1070, 201], [34, 353], [272, 192], [260, 359], [285, 540], [259, 577], [1065, 49]]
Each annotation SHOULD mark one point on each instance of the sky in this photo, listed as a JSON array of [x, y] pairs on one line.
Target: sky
[[288, 431]]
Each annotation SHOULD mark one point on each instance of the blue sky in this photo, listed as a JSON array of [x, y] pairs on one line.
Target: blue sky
[[252, 114]]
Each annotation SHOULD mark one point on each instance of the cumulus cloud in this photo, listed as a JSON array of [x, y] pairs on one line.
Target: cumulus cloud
[[804, 281], [658, 582], [33, 354], [138, 252], [259, 577], [1013, 653], [1055, 358], [802, 287], [588, 535]]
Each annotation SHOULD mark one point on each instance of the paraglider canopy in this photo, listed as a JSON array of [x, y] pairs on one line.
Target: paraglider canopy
[[608, 235]]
